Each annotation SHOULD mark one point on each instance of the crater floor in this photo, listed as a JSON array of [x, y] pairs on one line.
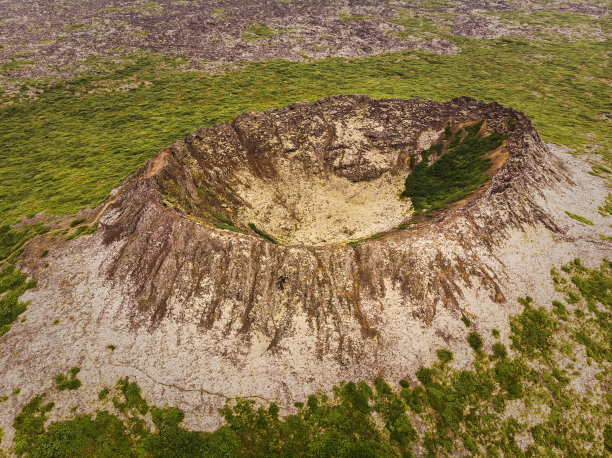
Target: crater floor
[[306, 209]]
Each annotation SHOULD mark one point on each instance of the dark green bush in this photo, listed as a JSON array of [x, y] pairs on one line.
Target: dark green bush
[[458, 172], [499, 350], [425, 375], [76, 222], [132, 397], [69, 381], [475, 341], [445, 355], [267, 237]]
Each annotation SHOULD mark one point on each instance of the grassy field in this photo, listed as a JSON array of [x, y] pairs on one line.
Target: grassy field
[[77, 140]]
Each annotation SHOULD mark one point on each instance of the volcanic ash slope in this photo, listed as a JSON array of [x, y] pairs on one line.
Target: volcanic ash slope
[[200, 306]]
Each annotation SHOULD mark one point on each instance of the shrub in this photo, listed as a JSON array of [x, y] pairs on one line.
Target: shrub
[[267, 237], [76, 222], [445, 355], [458, 172], [499, 350], [532, 330], [475, 341], [132, 397], [425, 376], [69, 381]]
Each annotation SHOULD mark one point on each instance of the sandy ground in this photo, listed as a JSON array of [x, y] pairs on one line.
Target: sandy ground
[[305, 209]]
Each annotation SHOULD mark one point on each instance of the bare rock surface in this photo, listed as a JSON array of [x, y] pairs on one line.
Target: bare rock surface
[[198, 313]]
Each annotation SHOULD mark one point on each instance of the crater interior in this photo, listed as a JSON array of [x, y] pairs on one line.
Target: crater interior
[[300, 177]]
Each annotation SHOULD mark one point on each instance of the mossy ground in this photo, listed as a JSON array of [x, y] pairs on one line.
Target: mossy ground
[[524, 400]]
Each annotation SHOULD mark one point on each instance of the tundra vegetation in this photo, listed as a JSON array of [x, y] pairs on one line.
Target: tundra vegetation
[[523, 398], [102, 134]]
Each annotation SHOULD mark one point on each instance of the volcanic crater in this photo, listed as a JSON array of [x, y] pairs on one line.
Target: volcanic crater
[[332, 172], [304, 208], [276, 254]]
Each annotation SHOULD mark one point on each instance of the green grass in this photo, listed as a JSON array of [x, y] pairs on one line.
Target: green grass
[[70, 147], [68, 381], [458, 172], [264, 235], [582, 219], [8, 67], [525, 392]]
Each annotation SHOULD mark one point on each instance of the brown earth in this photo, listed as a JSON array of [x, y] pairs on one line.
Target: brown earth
[[220, 170]]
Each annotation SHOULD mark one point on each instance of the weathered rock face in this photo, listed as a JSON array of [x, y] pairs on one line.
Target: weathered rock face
[[175, 264], [198, 313]]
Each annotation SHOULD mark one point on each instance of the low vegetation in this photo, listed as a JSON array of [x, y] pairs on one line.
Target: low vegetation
[[519, 401], [257, 32], [82, 230], [13, 282], [458, 171], [371, 237], [68, 381], [564, 94], [264, 235], [579, 218]]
